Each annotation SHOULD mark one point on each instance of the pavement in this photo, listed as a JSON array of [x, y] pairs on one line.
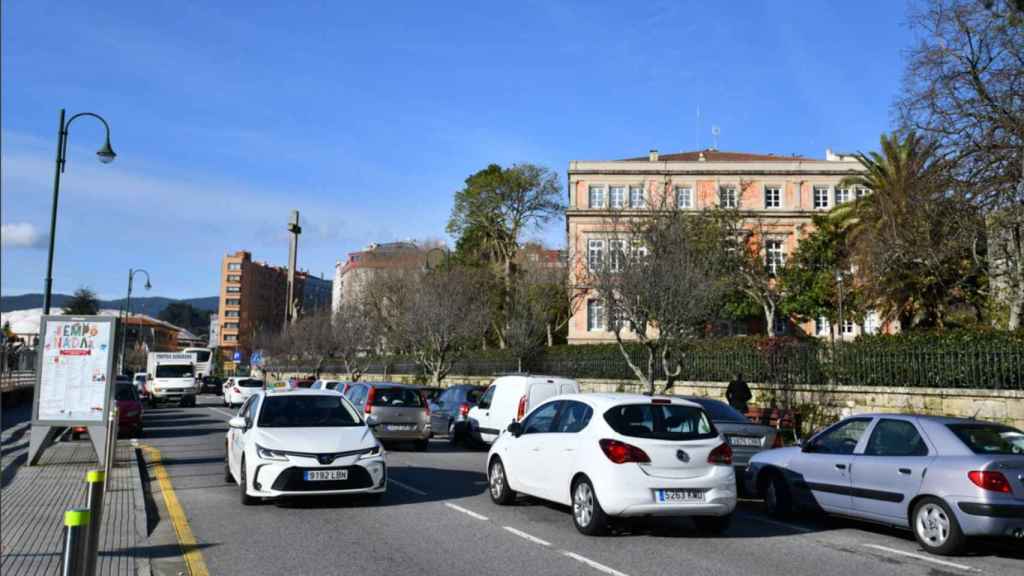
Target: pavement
[[438, 519]]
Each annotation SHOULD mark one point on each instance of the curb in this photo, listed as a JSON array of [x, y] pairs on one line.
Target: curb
[[143, 562]]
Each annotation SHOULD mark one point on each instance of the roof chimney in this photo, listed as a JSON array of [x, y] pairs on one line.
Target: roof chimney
[[652, 156]]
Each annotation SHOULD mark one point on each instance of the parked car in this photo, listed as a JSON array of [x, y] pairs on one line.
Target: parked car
[[508, 399], [212, 385], [745, 437], [402, 412], [339, 385], [140, 384], [241, 389], [944, 478], [617, 455], [300, 382], [302, 442], [449, 412], [129, 409], [431, 393]]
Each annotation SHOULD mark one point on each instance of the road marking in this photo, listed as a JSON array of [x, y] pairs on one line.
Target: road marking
[[224, 412], [592, 564], [923, 557], [529, 537], [186, 539], [407, 487], [785, 525], [465, 511]]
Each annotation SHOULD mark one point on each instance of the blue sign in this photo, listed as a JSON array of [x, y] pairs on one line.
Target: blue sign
[[257, 358], [238, 356]]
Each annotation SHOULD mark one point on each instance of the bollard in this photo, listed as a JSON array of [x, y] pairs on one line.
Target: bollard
[[76, 522], [111, 452], [92, 542]]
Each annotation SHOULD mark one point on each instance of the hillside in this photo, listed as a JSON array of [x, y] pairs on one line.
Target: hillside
[[151, 305]]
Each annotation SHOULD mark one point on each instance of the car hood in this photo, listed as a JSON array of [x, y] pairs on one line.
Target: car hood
[[776, 456], [316, 440]]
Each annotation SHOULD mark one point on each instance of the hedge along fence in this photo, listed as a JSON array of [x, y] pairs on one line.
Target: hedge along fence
[[983, 360]]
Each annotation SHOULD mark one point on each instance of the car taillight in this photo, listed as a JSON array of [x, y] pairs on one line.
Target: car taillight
[[521, 411], [369, 400], [463, 409], [721, 455], [994, 481], [621, 453], [426, 403], [777, 443], [236, 390]]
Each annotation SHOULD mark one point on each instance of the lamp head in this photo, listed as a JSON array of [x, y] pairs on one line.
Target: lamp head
[[148, 285], [106, 153]]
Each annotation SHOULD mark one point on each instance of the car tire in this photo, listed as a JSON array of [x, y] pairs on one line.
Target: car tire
[[228, 476], [587, 514], [777, 498], [497, 484], [936, 527], [422, 445], [712, 524], [244, 497]]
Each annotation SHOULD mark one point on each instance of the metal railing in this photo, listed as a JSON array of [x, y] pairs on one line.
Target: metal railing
[[16, 380]]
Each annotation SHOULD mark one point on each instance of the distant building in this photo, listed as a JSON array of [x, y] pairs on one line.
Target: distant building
[[352, 275], [214, 331], [316, 293], [143, 332]]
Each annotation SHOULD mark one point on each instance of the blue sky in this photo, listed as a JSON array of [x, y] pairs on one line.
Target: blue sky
[[368, 116]]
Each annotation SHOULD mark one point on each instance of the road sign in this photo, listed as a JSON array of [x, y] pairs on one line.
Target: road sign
[[237, 356], [257, 358]]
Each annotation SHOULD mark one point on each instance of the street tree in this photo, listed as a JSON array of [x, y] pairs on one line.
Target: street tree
[[757, 269], [527, 326], [82, 303], [548, 286], [356, 337]]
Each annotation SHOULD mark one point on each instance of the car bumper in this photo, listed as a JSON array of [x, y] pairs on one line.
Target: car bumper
[[988, 518], [422, 433], [172, 393], [274, 479], [629, 491]]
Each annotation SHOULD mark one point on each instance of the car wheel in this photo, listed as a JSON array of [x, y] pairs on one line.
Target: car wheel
[[243, 486], [936, 528], [228, 477], [501, 494], [713, 524], [777, 498], [587, 514], [422, 445]]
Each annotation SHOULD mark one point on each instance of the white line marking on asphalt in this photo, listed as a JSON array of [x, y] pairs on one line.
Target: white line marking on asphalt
[[923, 557], [529, 537], [407, 487], [222, 411], [785, 525], [592, 564], [465, 511]]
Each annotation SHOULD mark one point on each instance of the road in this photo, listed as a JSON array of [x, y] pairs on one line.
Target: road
[[437, 518]]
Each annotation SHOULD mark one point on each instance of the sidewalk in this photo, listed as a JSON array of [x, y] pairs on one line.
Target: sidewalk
[[33, 500]]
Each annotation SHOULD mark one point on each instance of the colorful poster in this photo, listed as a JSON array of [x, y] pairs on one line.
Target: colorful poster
[[75, 369]]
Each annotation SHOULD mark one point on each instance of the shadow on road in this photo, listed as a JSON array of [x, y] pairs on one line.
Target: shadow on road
[[438, 485]]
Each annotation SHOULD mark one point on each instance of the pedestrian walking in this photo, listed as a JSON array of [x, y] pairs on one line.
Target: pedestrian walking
[[738, 394]]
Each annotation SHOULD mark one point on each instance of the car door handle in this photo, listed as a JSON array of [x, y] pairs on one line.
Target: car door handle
[[906, 471], [841, 466]]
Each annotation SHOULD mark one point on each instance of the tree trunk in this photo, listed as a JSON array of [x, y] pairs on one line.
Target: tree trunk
[[1016, 295], [551, 335], [769, 318]]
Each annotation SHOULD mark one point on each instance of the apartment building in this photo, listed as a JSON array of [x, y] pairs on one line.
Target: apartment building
[[779, 193], [316, 292], [352, 275]]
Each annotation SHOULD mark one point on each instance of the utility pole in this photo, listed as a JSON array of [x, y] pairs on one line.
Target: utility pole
[[293, 247]]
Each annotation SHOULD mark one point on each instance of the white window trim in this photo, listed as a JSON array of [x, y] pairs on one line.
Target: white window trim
[[828, 196], [691, 204], [736, 195], [768, 252], [643, 196], [782, 196], [597, 316], [603, 248], [604, 196], [835, 195], [624, 200]]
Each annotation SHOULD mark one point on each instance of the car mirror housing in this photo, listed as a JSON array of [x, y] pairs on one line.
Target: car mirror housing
[[372, 421], [238, 422], [515, 429]]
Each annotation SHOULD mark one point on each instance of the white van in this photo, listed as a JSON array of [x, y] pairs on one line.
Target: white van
[[509, 399]]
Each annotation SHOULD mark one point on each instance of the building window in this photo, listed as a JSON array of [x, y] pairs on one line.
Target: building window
[[780, 325], [847, 326], [234, 278], [233, 302], [636, 197], [231, 338], [872, 323], [231, 313], [727, 197], [842, 196], [617, 196], [862, 192], [233, 289], [774, 256], [596, 316], [234, 266], [616, 255], [597, 197], [231, 325], [820, 197], [772, 197], [595, 254], [821, 326], [684, 197]]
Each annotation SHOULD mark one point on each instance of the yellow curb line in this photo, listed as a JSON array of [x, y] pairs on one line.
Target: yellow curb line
[[186, 540]]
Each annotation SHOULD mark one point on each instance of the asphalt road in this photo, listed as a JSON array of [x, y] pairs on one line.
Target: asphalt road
[[438, 519]]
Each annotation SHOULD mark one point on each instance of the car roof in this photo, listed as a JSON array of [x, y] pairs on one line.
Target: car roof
[[391, 385], [923, 417], [300, 392], [610, 399]]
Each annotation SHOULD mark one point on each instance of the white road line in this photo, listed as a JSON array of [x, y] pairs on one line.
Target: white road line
[[529, 537], [222, 411], [785, 525], [923, 557], [592, 564], [465, 511], [407, 487]]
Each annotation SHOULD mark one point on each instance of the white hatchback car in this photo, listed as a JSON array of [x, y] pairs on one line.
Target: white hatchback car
[[302, 442], [617, 455], [238, 389]]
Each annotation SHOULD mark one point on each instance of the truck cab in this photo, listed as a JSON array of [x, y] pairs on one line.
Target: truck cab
[[171, 377]]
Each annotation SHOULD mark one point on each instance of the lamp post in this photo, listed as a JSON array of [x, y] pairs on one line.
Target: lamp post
[[128, 311], [842, 323], [106, 155]]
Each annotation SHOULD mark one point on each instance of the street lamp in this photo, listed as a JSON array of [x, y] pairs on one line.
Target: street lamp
[[128, 311], [839, 285], [106, 156]]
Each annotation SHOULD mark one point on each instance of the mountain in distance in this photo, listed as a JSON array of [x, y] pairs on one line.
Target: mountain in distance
[[148, 305]]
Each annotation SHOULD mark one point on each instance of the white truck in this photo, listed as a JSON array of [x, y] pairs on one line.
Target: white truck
[[171, 377]]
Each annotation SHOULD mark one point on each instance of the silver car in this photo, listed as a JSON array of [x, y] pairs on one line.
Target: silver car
[[401, 410], [744, 437], [944, 478]]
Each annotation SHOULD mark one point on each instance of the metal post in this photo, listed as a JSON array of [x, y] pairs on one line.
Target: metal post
[[127, 314], [76, 522], [95, 480], [108, 463], [48, 283]]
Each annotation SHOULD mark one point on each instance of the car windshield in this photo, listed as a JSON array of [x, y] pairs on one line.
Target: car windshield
[[202, 355], [250, 383], [473, 394], [126, 393], [720, 411], [660, 421], [301, 411], [397, 398], [990, 438], [140, 377], [174, 371]]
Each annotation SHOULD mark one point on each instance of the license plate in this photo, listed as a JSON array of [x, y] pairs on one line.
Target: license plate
[[320, 475], [679, 495], [399, 427], [745, 441]]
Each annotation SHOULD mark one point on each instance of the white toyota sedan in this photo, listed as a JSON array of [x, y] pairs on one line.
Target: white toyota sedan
[[302, 442], [617, 455]]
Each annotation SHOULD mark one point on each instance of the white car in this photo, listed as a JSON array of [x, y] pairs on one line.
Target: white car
[[508, 399], [238, 389], [617, 455], [302, 443]]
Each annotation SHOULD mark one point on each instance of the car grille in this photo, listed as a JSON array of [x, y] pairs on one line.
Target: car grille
[[293, 480]]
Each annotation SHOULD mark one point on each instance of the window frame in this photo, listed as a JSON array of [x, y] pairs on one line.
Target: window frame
[[816, 441], [877, 426], [623, 190], [733, 196], [642, 203], [777, 189], [556, 404], [688, 205], [842, 195], [566, 405], [597, 191], [597, 315], [826, 194], [774, 258], [595, 262], [234, 266]]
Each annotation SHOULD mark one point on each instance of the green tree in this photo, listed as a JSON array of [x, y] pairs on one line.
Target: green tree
[[83, 303], [810, 274], [186, 316]]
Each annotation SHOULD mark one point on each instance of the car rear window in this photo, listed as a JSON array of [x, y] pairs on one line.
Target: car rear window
[[720, 411], [306, 412], [990, 438], [473, 394], [660, 421], [250, 383], [125, 392], [397, 398]]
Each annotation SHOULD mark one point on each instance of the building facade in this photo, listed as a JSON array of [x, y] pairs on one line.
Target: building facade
[[252, 298], [353, 275], [780, 193], [316, 293]]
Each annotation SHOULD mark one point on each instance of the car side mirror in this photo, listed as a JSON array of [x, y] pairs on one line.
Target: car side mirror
[[515, 429], [372, 421], [238, 422]]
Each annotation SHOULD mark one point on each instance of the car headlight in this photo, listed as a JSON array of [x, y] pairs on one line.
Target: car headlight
[[268, 454], [371, 452]]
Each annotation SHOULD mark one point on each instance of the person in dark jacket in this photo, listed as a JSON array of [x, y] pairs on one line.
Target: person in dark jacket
[[738, 394]]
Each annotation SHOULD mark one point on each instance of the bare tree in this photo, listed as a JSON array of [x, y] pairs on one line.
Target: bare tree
[[356, 337], [527, 321], [549, 287]]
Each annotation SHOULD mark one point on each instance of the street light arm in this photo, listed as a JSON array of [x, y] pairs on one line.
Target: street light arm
[[67, 126]]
